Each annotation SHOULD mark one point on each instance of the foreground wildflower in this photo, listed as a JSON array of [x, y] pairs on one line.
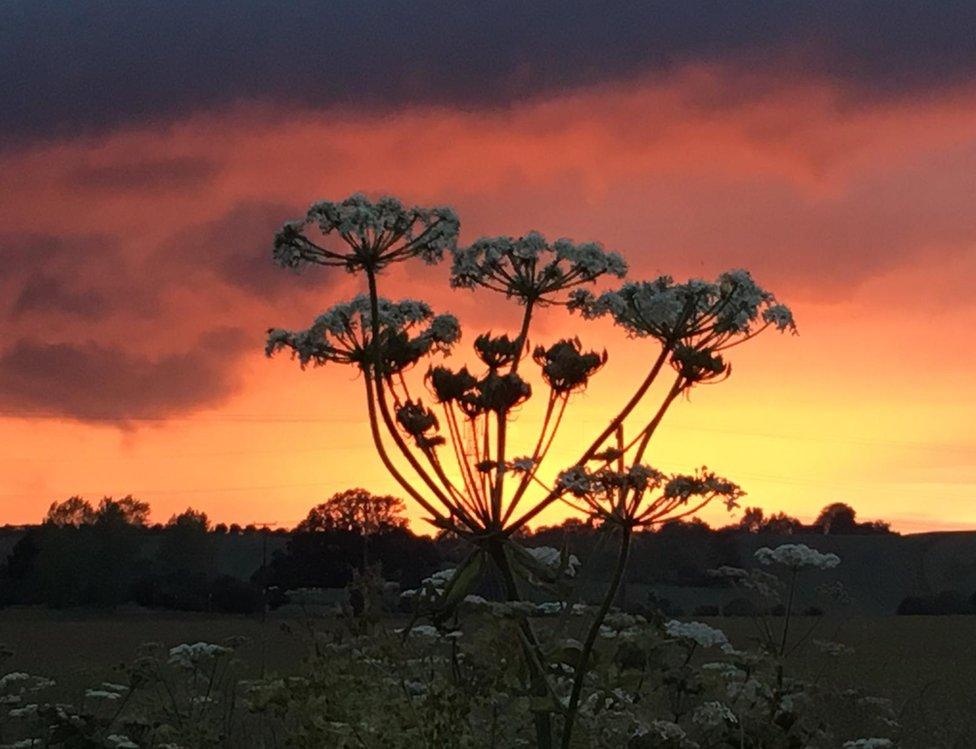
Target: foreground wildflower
[[797, 556], [190, 656], [375, 234], [697, 632]]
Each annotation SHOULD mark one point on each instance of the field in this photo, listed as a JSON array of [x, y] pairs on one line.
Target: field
[[926, 665]]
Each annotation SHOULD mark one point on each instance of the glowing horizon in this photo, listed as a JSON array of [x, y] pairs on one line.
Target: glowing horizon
[[140, 285]]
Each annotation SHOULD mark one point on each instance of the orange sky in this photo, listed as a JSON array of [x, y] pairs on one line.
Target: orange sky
[[858, 215]]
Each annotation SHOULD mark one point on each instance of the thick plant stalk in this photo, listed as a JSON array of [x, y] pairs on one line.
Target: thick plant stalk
[[530, 644], [380, 395], [582, 665], [387, 461], [498, 492]]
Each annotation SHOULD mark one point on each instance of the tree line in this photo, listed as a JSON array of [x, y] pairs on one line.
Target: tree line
[[108, 554]]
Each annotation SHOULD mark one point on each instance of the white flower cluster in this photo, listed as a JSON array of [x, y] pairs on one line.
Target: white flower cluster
[[342, 333], [574, 480], [529, 267], [872, 743], [554, 608], [733, 305], [102, 694], [506, 609], [713, 715], [797, 556], [120, 741], [699, 633], [425, 630], [432, 586], [378, 233], [191, 655], [552, 559], [14, 686]]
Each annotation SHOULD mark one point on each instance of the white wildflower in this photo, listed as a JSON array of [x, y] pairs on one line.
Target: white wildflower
[[699, 633], [14, 677], [101, 694], [574, 480], [27, 711], [780, 316], [549, 608], [120, 741], [552, 558], [796, 556], [872, 743], [713, 714], [424, 630], [522, 465], [188, 656]]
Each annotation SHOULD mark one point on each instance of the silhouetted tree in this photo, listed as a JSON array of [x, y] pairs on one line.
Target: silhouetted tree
[[358, 512], [753, 520], [186, 545], [840, 518], [124, 511], [85, 556], [326, 559], [355, 510], [836, 518], [781, 524], [73, 511]]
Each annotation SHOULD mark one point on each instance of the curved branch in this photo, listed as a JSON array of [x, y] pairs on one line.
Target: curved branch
[[604, 435]]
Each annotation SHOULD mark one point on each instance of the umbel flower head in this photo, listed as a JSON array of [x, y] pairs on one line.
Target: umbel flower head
[[695, 320], [734, 305], [641, 496], [565, 367], [409, 330], [530, 269], [797, 556], [375, 234]]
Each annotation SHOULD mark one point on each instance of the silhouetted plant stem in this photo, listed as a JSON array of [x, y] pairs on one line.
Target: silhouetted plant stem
[[786, 630], [610, 429], [377, 376], [498, 492], [582, 665], [530, 645]]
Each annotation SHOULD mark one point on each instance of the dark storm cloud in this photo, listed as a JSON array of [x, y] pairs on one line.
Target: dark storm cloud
[[43, 293], [237, 248], [72, 67], [60, 275], [59, 290], [90, 382]]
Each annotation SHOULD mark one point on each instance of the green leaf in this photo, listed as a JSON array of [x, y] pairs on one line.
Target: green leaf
[[465, 578]]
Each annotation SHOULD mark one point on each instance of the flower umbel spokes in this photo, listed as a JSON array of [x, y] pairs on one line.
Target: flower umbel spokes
[[409, 330], [530, 269], [375, 234], [640, 496]]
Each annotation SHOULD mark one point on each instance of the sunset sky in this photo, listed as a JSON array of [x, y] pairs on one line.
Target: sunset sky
[[149, 151]]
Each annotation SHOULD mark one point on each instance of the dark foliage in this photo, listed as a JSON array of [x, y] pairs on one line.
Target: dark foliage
[[941, 604], [327, 559]]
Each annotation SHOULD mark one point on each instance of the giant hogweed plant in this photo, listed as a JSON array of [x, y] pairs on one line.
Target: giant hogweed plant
[[443, 433]]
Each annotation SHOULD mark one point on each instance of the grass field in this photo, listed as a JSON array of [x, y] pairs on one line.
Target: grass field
[[926, 665]]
